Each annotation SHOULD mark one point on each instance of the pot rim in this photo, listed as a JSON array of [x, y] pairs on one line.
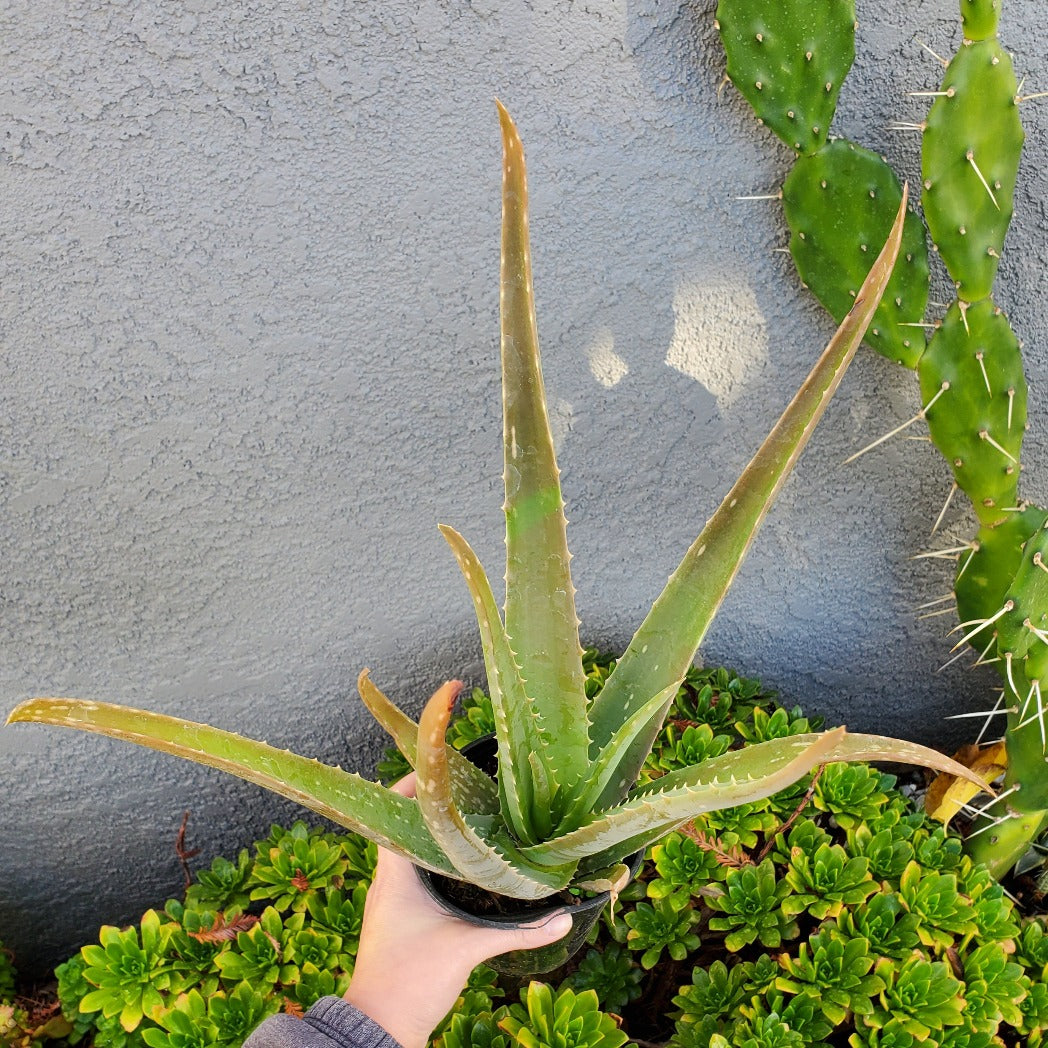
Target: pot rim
[[523, 917]]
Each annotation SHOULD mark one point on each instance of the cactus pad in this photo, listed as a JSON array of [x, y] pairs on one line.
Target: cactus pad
[[980, 18], [1014, 557], [984, 575], [1005, 588], [1024, 656], [1028, 600], [840, 203], [788, 60], [973, 367], [970, 158]]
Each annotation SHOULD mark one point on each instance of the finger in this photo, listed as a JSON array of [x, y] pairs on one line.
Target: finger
[[405, 786], [493, 941], [388, 860]]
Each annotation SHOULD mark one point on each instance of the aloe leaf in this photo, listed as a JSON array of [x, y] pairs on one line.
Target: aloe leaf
[[474, 790], [540, 600], [616, 768], [477, 860], [665, 644], [738, 777], [541, 798], [365, 807], [516, 727]]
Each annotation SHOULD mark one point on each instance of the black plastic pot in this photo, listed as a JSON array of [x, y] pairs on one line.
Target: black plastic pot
[[584, 909]]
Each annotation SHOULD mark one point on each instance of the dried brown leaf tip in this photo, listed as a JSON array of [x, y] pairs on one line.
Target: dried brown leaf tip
[[223, 930]]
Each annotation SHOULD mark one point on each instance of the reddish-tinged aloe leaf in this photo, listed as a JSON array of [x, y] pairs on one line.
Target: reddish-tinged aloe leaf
[[474, 791], [476, 859], [365, 807], [540, 600], [738, 777], [667, 640], [516, 727]]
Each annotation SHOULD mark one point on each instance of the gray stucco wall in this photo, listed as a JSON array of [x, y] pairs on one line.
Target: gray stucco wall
[[248, 259]]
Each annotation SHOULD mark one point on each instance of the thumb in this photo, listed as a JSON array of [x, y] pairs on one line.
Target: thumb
[[525, 937]]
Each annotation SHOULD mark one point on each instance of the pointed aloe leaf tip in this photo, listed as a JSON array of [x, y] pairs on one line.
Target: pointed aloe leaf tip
[[665, 643], [435, 717], [540, 614], [356, 803]]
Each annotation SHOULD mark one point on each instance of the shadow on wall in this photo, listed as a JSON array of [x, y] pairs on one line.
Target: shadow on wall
[[682, 29]]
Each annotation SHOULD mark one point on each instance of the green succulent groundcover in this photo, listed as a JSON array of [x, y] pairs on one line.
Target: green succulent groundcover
[[834, 913]]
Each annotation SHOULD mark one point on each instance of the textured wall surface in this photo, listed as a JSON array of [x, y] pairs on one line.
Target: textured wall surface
[[248, 258]]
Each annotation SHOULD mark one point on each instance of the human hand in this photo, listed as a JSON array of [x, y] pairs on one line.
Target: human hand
[[414, 959]]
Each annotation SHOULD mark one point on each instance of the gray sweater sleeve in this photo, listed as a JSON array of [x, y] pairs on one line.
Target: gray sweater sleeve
[[330, 1023]]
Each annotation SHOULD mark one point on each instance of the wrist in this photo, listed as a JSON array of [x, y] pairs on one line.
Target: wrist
[[380, 1003]]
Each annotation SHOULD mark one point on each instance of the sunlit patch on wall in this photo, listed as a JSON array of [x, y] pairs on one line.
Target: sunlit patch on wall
[[606, 366], [719, 338]]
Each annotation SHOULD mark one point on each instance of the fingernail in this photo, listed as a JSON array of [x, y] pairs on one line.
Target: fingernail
[[560, 924]]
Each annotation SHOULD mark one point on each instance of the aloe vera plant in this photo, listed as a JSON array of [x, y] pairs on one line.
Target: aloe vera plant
[[565, 808]]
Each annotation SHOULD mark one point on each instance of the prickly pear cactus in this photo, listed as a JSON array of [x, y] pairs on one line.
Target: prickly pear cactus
[[969, 162], [839, 204], [973, 391], [789, 62], [971, 149]]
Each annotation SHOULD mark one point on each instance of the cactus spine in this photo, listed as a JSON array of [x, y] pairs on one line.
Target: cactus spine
[[973, 391]]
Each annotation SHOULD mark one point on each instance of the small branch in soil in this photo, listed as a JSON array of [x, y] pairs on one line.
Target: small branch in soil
[[184, 854], [805, 801], [658, 998], [734, 856]]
